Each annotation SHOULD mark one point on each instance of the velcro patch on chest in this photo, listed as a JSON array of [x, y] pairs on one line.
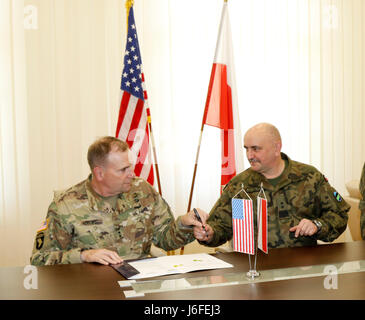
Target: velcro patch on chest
[[91, 222]]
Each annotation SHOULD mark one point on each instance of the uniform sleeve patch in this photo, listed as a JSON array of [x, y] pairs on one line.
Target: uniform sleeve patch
[[43, 226], [39, 240], [337, 196]]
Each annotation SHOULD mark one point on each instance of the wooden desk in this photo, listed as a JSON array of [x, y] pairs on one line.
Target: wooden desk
[[93, 281]]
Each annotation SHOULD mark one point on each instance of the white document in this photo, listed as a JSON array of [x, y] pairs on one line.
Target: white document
[[161, 266]]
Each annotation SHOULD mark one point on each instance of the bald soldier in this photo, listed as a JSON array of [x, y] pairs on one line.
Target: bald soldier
[[362, 202], [110, 216], [302, 206]]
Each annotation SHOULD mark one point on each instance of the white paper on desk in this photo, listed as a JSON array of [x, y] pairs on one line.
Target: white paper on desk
[[176, 264]]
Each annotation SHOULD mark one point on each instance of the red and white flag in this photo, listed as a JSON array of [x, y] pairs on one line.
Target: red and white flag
[[221, 108], [262, 224], [134, 114], [243, 226]]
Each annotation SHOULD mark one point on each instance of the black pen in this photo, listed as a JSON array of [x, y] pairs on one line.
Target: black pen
[[197, 216]]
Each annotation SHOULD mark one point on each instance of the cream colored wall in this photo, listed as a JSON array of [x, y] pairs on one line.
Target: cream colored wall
[[299, 65]]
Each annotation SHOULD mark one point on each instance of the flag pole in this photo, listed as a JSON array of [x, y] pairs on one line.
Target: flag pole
[[195, 168], [201, 131], [128, 5], [154, 150], [194, 174]]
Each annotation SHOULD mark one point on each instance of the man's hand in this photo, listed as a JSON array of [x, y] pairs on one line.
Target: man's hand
[[102, 256], [189, 218], [202, 231], [203, 234], [304, 228]]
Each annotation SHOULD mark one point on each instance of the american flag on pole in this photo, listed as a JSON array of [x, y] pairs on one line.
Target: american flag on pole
[[262, 224], [243, 226], [221, 108], [134, 113]]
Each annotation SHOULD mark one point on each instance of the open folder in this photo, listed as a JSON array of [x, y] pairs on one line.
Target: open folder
[[154, 267]]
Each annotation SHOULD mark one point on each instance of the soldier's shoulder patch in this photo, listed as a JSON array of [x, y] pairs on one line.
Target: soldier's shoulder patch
[[43, 226], [39, 240], [337, 196]]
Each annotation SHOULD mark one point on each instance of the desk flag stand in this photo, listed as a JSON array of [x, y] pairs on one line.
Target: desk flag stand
[[243, 227]]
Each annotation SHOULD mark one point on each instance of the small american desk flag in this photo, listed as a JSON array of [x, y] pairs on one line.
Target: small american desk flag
[[243, 226], [134, 114]]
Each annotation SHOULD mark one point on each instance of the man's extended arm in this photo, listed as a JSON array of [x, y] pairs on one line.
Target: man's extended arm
[[170, 234]]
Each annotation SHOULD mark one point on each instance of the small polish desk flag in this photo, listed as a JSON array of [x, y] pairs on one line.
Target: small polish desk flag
[[262, 224]]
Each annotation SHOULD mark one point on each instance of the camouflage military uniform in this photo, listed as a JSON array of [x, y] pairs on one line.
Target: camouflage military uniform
[[79, 219], [302, 192], [362, 202]]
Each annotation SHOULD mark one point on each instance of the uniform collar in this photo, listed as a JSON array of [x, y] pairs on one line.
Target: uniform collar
[[289, 175], [93, 197], [97, 203]]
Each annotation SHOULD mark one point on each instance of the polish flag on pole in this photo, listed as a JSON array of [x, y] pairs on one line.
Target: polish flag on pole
[[262, 224], [221, 108], [243, 226]]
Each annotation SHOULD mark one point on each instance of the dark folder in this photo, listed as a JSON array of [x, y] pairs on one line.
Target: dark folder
[[125, 269]]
